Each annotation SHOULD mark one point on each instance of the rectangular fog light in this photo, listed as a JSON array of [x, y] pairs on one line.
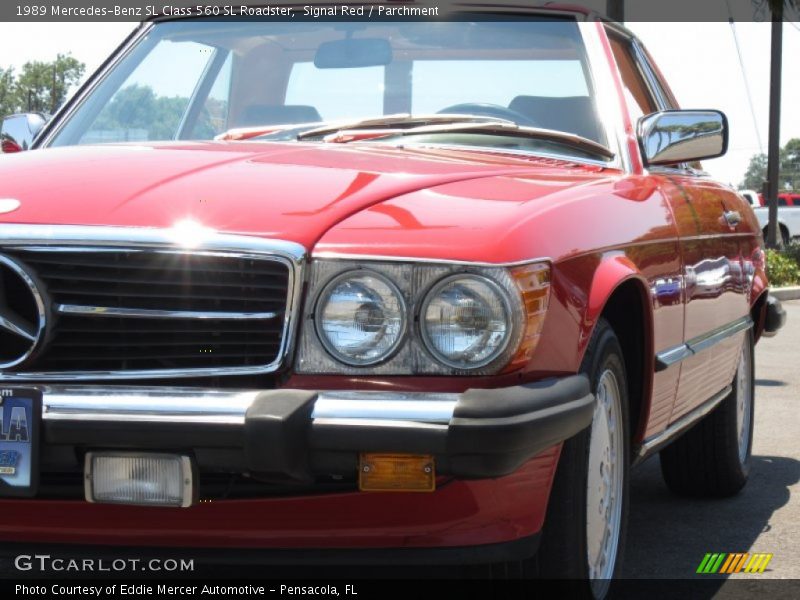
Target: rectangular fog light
[[138, 478]]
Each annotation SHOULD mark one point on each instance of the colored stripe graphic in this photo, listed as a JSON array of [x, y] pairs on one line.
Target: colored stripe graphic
[[703, 563], [711, 562], [734, 563], [724, 563], [741, 562], [758, 563]]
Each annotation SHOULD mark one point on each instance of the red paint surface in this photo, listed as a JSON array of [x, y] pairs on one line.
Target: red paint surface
[[458, 513], [599, 227]]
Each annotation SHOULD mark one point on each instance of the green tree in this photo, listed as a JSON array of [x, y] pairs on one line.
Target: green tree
[[756, 173], [789, 170], [43, 86], [790, 164], [135, 109], [8, 103]]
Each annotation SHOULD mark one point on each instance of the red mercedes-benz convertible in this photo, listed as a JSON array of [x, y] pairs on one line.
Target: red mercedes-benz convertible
[[420, 291]]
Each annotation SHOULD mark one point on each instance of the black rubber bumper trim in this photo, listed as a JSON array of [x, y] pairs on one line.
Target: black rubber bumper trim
[[514, 550], [494, 431], [491, 432], [776, 315]]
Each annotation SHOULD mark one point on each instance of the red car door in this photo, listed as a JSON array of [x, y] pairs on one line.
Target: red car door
[[709, 217]]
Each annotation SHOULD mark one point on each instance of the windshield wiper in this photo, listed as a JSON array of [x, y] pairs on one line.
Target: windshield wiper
[[399, 122], [509, 128], [407, 125]]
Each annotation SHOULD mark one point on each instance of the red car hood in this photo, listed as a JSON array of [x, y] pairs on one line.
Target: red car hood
[[289, 191]]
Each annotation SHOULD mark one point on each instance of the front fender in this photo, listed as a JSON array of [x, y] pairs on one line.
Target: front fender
[[613, 270]]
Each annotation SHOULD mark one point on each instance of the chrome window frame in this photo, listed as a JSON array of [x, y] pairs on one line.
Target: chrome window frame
[[662, 102], [606, 97], [100, 238]]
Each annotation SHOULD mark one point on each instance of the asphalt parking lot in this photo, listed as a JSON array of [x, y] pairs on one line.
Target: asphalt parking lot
[[668, 536]]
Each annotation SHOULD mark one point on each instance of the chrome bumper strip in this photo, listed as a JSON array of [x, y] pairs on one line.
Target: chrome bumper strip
[[141, 404], [392, 406], [214, 407]]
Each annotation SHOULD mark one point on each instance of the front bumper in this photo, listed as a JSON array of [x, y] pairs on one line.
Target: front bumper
[[775, 317], [298, 434]]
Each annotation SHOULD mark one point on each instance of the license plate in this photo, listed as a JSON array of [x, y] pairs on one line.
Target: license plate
[[20, 413]]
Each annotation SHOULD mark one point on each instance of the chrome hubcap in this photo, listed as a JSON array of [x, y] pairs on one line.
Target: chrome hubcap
[[604, 483], [744, 400]]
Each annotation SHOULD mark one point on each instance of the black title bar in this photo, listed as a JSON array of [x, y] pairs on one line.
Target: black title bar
[[142, 10]]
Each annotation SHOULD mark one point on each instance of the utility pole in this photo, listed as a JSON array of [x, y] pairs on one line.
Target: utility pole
[[615, 10], [773, 144]]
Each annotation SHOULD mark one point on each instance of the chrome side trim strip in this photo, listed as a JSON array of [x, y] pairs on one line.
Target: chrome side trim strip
[[704, 342], [658, 441], [215, 407], [177, 240], [149, 313], [676, 354], [672, 356]]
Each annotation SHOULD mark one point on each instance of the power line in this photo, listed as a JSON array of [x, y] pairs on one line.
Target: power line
[[744, 76]]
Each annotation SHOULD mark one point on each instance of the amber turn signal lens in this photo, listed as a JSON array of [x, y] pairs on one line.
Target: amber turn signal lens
[[396, 473], [533, 282]]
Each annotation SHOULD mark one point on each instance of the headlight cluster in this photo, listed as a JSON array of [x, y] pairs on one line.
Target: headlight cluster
[[420, 318]]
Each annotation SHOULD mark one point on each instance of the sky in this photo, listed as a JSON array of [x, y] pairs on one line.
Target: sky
[[699, 60]]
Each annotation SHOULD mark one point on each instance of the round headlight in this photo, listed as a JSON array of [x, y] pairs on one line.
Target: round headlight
[[465, 321], [361, 318]]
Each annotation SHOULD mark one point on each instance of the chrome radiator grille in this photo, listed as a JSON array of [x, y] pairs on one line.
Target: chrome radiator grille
[[138, 312]]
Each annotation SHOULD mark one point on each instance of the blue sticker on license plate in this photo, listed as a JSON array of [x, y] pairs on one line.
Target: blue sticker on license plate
[[18, 443]]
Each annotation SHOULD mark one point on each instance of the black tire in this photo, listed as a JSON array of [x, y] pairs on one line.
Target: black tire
[[563, 552], [783, 232], [706, 461]]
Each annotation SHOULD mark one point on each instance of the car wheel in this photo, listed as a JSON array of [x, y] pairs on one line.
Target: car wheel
[[584, 530], [713, 458]]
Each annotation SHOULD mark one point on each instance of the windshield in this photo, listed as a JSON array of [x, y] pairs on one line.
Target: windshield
[[193, 80]]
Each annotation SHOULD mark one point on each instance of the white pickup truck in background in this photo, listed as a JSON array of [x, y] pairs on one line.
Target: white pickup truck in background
[[788, 213]]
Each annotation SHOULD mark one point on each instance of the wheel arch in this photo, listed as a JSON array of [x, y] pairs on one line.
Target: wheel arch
[[620, 294]]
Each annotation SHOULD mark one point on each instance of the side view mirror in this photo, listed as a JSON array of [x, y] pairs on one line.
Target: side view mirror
[[17, 132], [676, 136]]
